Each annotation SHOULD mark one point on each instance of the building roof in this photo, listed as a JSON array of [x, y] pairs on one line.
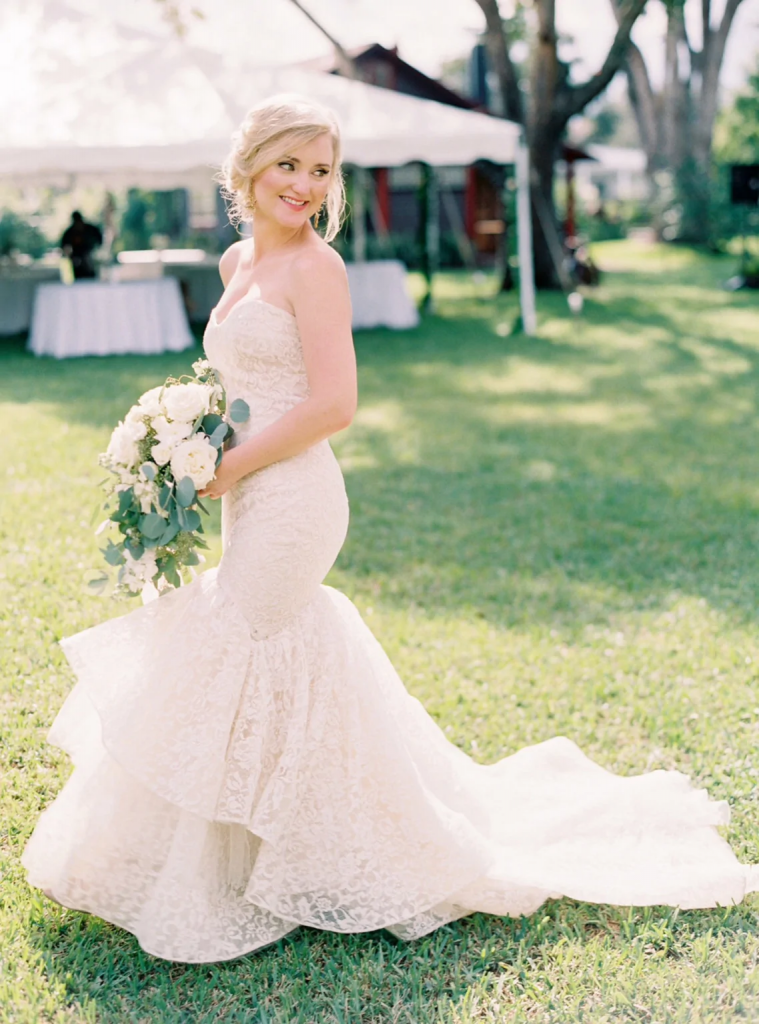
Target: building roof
[[425, 87]]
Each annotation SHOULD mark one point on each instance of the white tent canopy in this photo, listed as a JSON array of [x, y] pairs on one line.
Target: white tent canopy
[[85, 100]]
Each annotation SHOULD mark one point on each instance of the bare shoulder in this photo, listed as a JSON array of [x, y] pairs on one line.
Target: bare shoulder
[[317, 271], [321, 259], [230, 260]]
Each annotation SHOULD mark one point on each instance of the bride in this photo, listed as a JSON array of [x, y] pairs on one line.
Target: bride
[[246, 758]]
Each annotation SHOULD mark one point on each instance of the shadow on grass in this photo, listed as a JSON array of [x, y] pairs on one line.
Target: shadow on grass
[[315, 976]]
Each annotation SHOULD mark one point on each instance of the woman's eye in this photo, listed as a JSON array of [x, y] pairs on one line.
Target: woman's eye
[[286, 164]]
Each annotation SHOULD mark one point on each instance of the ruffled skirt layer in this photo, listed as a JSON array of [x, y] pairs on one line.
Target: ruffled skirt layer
[[229, 788]]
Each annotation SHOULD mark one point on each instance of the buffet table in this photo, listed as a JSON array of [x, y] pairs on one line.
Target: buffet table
[[95, 318]]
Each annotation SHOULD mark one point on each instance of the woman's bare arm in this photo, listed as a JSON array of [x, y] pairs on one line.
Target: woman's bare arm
[[321, 302]]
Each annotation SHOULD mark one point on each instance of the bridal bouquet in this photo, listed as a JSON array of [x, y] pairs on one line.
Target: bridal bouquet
[[166, 449]]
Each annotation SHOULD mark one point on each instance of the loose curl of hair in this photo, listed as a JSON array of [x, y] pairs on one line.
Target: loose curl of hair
[[271, 129]]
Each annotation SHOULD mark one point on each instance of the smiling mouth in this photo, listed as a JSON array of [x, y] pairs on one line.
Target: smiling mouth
[[297, 204]]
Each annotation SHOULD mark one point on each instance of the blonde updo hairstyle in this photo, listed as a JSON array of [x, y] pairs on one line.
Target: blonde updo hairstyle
[[270, 130]]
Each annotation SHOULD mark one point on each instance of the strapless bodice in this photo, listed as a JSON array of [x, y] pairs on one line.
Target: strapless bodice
[[257, 352]]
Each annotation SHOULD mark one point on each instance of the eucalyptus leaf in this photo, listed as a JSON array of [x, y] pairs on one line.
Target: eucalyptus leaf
[[185, 492], [169, 570], [152, 525], [97, 584], [148, 470], [219, 435], [189, 519], [239, 411], [211, 422], [126, 497], [219, 456], [168, 534], [113, 554], [135, 548], [164, 496], [192, 520]]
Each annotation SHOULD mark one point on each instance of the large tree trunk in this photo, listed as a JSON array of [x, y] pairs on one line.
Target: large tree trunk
[[676, 126], [552, 101]]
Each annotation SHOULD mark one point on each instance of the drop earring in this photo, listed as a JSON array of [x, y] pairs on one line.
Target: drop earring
[[317, 215]]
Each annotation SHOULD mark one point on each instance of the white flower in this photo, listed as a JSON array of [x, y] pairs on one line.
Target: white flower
[[126, 476], [147, 494], [201, 366], [136, 415], [136, 572], [161, 453], [195, 458], [149, 402], [122, 447], [186, 402], [170, 434]]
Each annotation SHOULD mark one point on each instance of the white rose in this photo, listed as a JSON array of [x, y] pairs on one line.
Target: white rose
[[186, 402], [161, 453], [135, 415], [170, 434], [149, 402], [122, 447], [195, 458]]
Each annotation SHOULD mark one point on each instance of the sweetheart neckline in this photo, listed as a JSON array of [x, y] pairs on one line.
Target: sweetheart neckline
[[250, 298]]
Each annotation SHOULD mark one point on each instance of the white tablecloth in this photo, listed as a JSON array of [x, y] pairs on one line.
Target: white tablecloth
[[379, 295], [94, 318]]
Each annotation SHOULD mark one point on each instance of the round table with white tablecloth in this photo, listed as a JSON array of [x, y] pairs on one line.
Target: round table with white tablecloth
[[96, 318], [379, 295]]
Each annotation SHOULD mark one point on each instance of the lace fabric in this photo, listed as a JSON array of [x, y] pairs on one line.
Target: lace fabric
[[247, 760]]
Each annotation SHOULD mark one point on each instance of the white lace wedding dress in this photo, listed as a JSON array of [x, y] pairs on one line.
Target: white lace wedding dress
[[247, 760]]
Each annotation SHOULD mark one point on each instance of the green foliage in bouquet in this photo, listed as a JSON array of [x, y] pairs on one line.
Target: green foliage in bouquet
[[164, 452]]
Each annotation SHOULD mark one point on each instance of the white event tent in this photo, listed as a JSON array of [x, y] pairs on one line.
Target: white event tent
[[89, 101]]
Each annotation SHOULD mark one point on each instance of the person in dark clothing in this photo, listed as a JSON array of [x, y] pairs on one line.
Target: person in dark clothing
[[79, 241]]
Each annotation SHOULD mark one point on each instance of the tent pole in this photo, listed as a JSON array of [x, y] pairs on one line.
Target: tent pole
[[524, 239], [430, 230], [358, 215]]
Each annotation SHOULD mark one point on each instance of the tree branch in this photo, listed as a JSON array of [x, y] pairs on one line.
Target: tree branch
[[577, 97], [345, 61], [498, 47], [643, 101], [714, 52], [720, 37], [642, 96]]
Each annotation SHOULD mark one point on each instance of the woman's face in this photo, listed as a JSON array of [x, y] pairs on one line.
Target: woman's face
[[293, 188]]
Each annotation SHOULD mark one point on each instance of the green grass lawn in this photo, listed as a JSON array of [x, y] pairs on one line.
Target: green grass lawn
[[554, 535]]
